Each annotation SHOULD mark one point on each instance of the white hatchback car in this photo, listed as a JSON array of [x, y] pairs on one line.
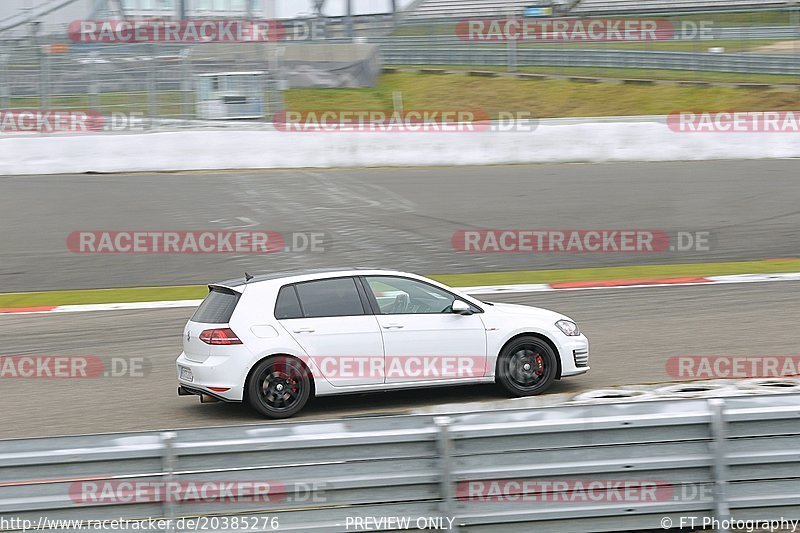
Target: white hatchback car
[[278, 340]]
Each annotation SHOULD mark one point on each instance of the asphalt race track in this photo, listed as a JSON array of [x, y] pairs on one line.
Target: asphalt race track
[[393, 218], [633, 332]]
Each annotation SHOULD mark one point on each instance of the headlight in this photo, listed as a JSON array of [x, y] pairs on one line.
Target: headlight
[[569, 328]]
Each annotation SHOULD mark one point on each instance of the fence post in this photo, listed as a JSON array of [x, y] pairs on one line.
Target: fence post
[[168, 462], [5, 93], [187, 85], [444, 446], [511, 49], [44, 77], [719, 435], [94, 81], [152, 97], [794, 22], [276, 81]]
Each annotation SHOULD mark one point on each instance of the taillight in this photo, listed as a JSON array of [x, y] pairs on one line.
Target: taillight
[[220, 337]]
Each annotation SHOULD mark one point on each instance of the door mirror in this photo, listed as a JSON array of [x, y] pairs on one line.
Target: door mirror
[[461, 308]]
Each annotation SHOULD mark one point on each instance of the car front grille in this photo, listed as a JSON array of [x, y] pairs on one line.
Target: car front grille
[[581, 358]]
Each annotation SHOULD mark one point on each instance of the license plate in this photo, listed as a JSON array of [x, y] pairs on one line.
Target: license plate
[[186, 374]]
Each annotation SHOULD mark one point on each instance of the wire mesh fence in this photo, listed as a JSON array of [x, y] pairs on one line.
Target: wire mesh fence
[[45, 69], [147, 79]]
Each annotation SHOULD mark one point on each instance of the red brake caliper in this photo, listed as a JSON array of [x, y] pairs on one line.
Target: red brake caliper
[[539, 365]]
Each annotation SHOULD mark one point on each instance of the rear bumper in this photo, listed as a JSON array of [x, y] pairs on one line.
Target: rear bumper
[[183, 390], [212, 375]]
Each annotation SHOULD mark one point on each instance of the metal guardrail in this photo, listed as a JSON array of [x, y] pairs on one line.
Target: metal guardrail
[[744, 33], [720, 457], [613, 8], [566, 57]]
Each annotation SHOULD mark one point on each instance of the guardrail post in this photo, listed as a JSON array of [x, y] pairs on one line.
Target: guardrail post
[[168, 464], [512, 55], [444, 446], [719, 435]]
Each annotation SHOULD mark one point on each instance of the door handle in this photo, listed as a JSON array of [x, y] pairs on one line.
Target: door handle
[[393, 326], [304, 330]]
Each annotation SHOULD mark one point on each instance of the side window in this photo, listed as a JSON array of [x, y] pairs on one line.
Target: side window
[[330, 298], [287, 305], [403, 296]]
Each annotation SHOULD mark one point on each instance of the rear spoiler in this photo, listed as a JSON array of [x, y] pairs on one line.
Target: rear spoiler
[[225, 288]]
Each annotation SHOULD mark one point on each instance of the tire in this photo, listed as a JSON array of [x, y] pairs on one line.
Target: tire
[[279, 387], [527, 366]]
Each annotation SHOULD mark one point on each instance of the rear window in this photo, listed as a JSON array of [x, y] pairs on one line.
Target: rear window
[[218, 306]]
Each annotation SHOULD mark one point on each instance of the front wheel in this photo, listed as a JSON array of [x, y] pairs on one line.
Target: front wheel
[[279, 388], [527, 366]]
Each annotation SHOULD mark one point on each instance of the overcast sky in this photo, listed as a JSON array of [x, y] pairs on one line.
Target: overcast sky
[[285, 8]]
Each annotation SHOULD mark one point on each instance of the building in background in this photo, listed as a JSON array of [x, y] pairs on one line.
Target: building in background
[[265, 8], [21, 18], [201, 8]]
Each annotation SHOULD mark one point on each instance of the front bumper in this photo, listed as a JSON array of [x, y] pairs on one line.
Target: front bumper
[[574, 353]]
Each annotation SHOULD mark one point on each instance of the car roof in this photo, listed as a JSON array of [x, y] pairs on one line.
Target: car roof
[[274, 280], [306, 274]]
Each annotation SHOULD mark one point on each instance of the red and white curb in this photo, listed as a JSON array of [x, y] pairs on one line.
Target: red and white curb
[[631, 283], [488, 289]]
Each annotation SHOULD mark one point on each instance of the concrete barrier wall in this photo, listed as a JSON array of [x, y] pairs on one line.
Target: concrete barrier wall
[[552, 142]]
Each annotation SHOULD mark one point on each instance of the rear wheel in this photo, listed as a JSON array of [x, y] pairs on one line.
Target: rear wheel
[[279, 388], [527, 366]]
